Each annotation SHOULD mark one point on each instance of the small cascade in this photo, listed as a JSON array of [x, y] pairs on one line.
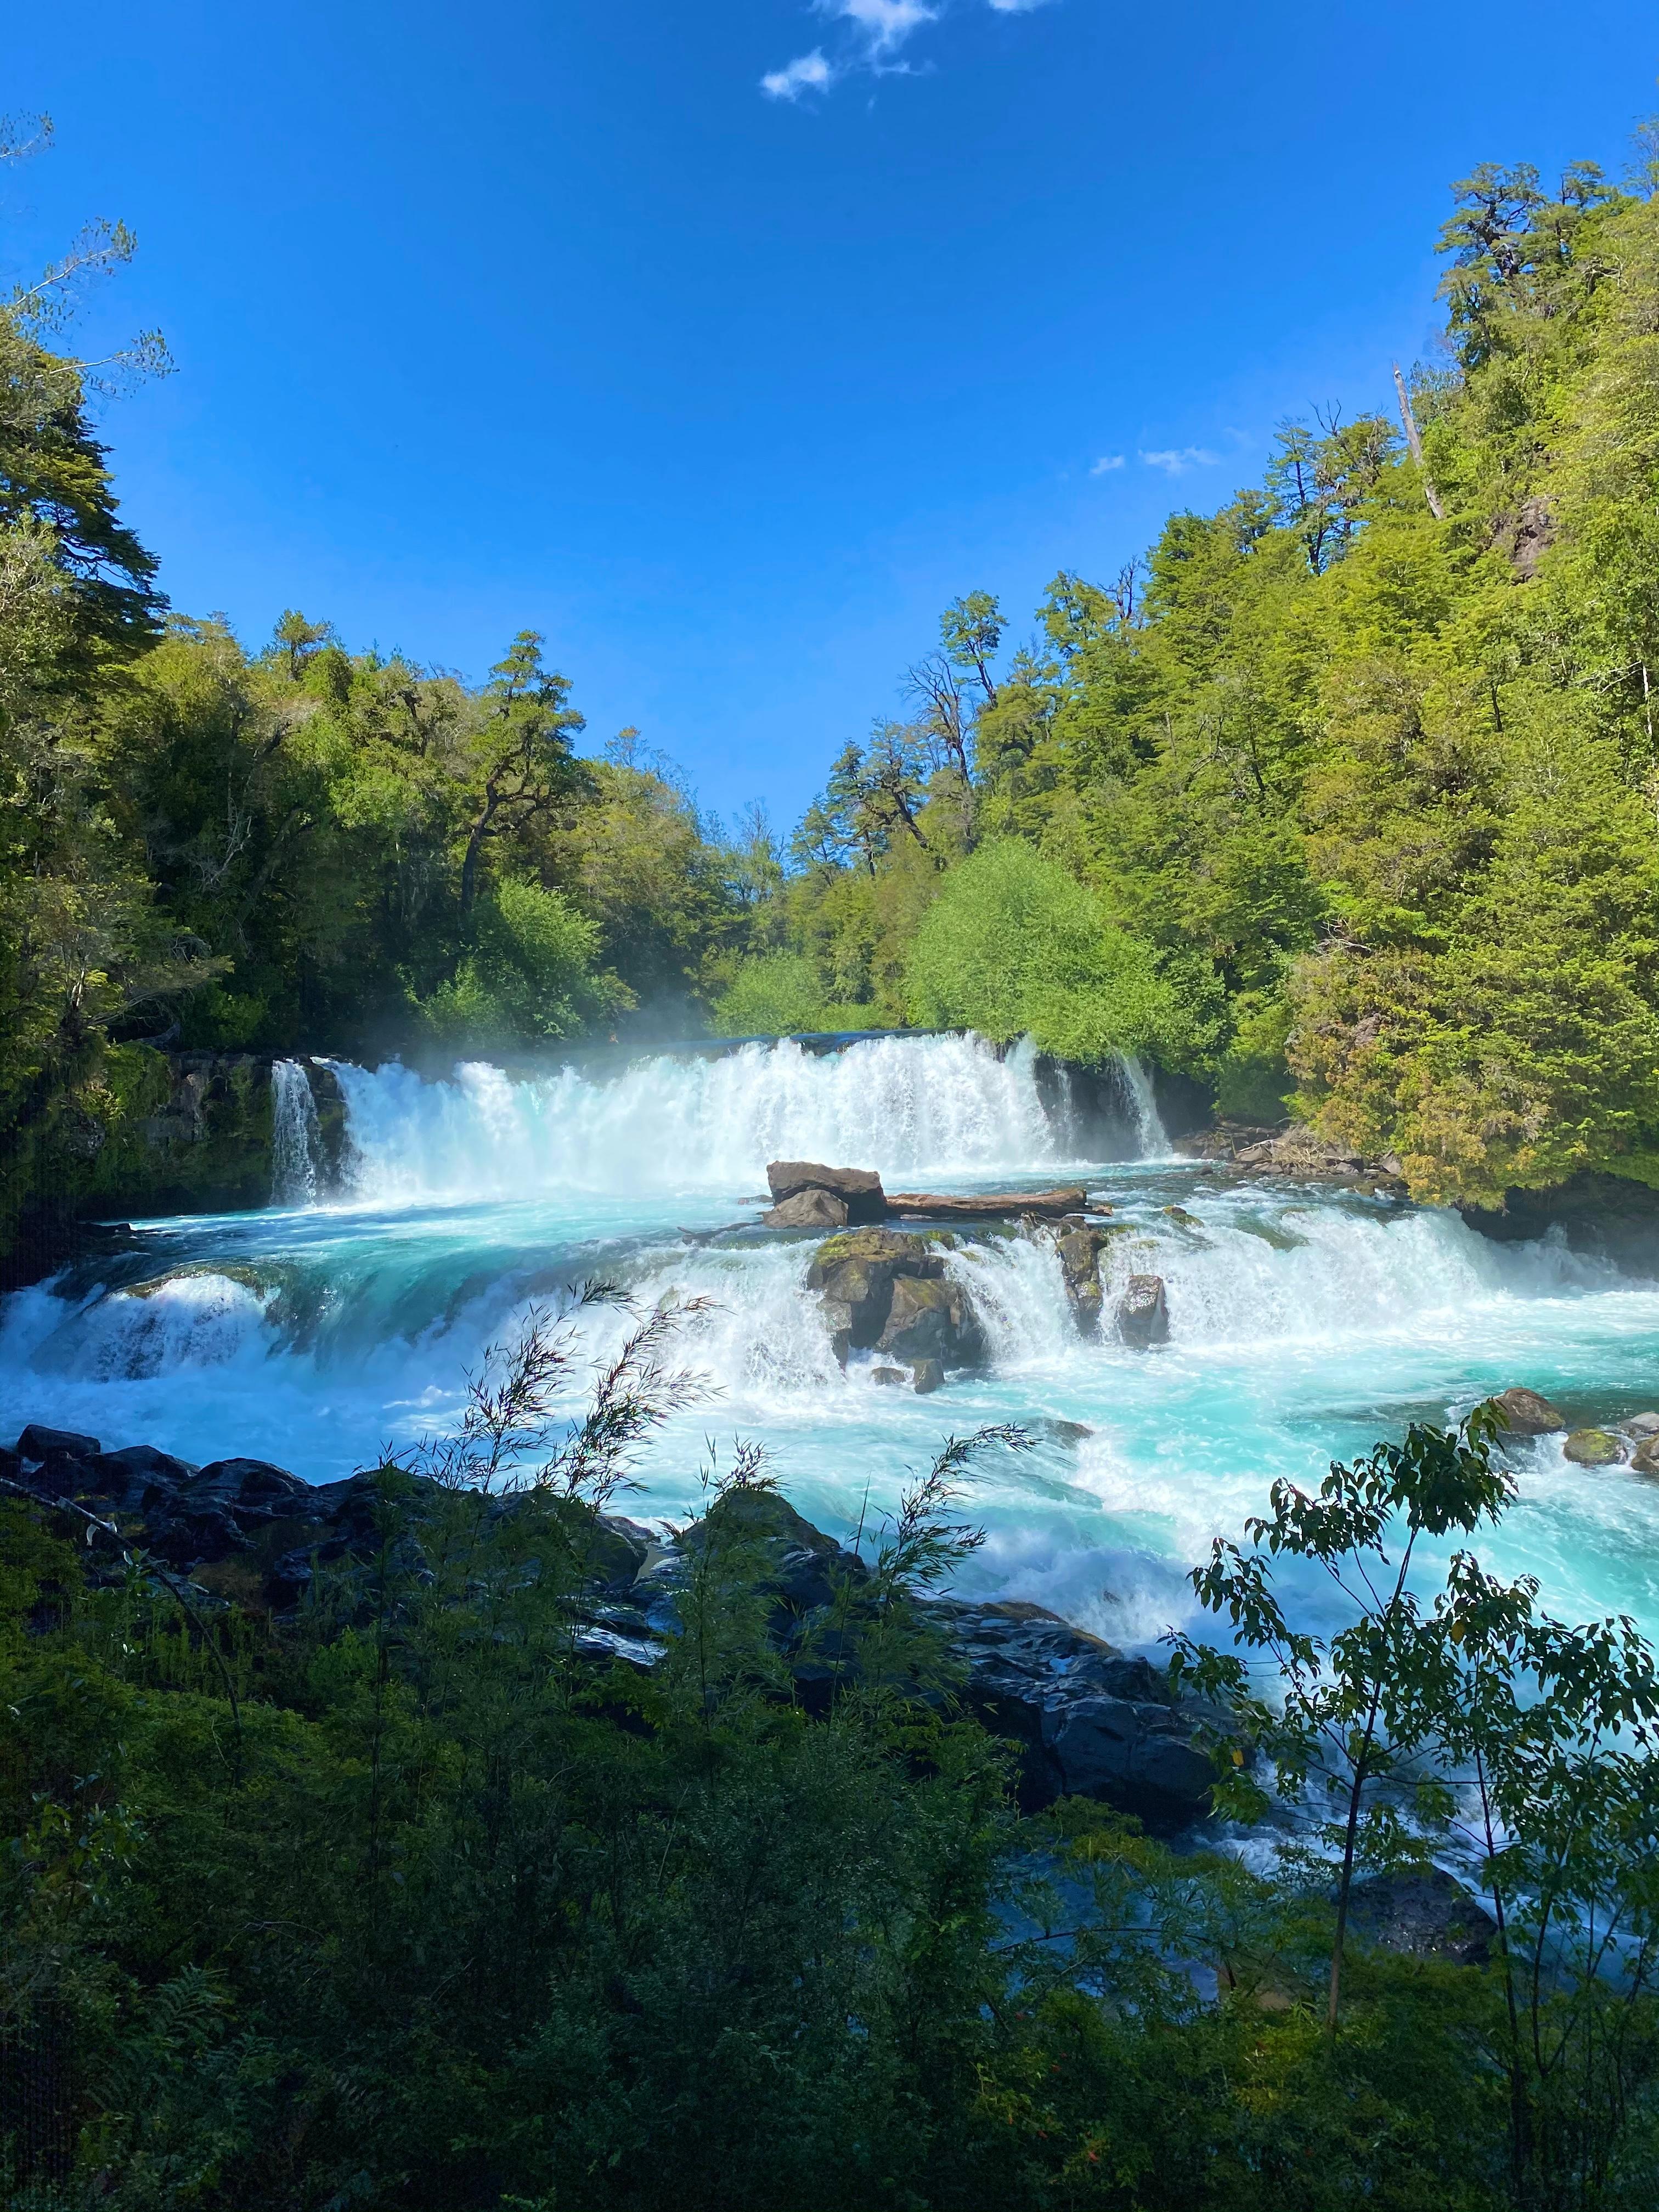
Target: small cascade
[[295, 1142], [1153, 1137]]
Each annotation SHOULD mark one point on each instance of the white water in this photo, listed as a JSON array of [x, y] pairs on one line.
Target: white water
[[294, 1141], [1304, 1324]]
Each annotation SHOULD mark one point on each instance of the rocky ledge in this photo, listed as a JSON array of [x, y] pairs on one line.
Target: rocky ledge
[[1084, 1719], [1631, 1441], [1295, 1154]]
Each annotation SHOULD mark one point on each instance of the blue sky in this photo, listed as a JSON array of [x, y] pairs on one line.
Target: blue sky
[[725, 340]]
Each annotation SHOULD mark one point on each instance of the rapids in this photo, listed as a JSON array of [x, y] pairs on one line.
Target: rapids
[[1306, 1322]]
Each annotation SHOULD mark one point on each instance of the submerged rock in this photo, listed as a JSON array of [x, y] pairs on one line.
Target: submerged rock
[[1527, 1414], [1594, 1448], [927, 1376], [1142, 1313]]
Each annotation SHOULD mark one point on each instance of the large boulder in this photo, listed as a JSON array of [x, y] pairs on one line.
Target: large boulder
[[1594, 1448], [1528, 1414], [884, 1289], [1142, 1313], [858, 1189], [1089, 1722], [38, 1442], [1428, 1915]]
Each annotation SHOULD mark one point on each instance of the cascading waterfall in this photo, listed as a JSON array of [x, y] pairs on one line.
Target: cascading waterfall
[[909, 1106], [1304, 1323], [293, 1136]]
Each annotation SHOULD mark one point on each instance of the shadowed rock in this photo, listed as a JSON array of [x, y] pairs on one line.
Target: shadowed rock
[[1429, 1915]]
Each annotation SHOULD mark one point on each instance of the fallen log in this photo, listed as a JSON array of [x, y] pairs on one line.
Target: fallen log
[[987, 1204]]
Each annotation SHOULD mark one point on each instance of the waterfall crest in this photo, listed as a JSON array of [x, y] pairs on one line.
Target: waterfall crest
[[909, 1106]]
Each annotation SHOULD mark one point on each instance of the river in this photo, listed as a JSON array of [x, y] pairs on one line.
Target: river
[[1306, 1322]]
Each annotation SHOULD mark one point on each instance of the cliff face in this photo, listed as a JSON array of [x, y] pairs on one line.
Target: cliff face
[[140, 1132]]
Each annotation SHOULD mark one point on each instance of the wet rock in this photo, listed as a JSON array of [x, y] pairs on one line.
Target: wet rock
[[802, 1567], [1429, 1916], [838, 1320], [884, 1289], [1645, 1457], [1089, 1720], [1079, 1251], [1594, 1448], [252, 1486], [1142, 1313], [807, 1209], [888, 1378], [929, 1319], [1182, 1218], [858, 1189], [1064, 1433], [36, 1442], [1612, 1217], [136, 1478], [927, 1376], [1527, 1414], [1639, 1426]]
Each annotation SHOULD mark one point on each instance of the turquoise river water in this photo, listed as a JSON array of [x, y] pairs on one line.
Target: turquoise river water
[[1304, 1324]]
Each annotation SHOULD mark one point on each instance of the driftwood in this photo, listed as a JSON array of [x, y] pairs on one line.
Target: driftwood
[[987, 1205]]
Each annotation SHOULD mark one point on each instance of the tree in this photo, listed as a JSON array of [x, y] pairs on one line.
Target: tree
[[521, 766]]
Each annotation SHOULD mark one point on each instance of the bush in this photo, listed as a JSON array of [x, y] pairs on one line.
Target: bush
[[1013, 947], [531, 975], [779, 993]]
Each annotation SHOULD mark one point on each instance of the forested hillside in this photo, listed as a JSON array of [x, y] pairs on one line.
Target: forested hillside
[[1344, 799]]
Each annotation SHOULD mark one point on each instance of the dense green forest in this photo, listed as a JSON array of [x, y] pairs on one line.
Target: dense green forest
[[1343, 801]]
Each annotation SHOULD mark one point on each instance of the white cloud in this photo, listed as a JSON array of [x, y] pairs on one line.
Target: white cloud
[[885, 24], [806, 73], [1176, 460], [875, 30], [1107, 462]]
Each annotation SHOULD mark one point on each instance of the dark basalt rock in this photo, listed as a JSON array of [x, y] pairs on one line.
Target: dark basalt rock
[[38, 1442], [1079, 1251], [1428, 1915], [1142, 1313], [1611, 1216], [1089, 1720]]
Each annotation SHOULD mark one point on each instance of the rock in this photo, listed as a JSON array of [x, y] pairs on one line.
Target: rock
[[1064, 1433], [927, 1376], [36, 1442], [1527, 1414], [136, 1478], [888, 1378], [1079, 1252], [1429, 1915], [251, 1485], [1142, 1313], [1180, 1215], [1613, 1217], [885, 1289], [807, 1209], [802, 1566], [858, 1189], [1089, 1720], [988, 1204], [929, 1319], [1594, 1448], [1639, 1425], [1645, 1457]]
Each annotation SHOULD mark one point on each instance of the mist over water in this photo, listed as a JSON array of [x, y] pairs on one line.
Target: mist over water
[[1305, 1324]]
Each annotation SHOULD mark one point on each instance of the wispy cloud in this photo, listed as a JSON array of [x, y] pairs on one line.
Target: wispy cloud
[[875, 31], [1175, 460], [806, 73], [1107, 462]]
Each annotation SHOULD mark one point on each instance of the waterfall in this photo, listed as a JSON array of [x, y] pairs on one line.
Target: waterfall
[[1154, 1138], [293, 1140], [912, 1107]]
